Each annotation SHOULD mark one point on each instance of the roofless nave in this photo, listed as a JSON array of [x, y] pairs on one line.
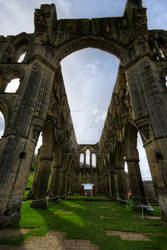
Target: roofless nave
[[40, 104]]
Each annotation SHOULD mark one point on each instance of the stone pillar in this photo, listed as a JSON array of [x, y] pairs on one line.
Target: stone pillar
[[68, 183], [132, 159], [136, 184], [90, 159], [149, 113], [16, 152], [157, 157], [109, 186], [40, 186], [54, 182], [122, 188], [55, 173], [84, 159], [40, 192], [106, 181], [114, 185], [62, 181], [34, 183]]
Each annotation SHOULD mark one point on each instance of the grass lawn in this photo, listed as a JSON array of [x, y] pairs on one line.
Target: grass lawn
[[89, 220], [76, 196], [29, 184], [30, 179]]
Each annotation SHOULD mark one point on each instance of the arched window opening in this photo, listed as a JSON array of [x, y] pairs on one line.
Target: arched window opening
[[21, 58], [144, 167], [13, 86], [39, 143], [166, 81], [157, 57], [33, 167], [88, 97], [162, 54], [94, 160], [125, 166], [2, 124], [87, 158], [82, 159]]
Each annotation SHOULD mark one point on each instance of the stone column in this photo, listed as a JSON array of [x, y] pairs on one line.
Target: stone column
[[90, 159], [84, 159], [122, 188], [54, 183], [150, 115], [106, 181], [34, 183], [28, 116], [157, 158], [114, 185], [109, 186], [40, 186], [62, 181], [132, 159], [40, 192], [136, 184], [55, 173]]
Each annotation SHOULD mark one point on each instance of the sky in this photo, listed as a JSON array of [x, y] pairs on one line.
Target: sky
[[89, 74]]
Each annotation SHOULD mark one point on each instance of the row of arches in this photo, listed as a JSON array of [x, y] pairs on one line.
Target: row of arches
[[88, 159], [12, 84]]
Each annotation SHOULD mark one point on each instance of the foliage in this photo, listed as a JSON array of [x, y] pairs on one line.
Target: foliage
[[34, 163]]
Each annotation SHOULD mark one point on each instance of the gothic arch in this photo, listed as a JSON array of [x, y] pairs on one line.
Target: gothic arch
[[20, 45], [111, 47], [4, 110]]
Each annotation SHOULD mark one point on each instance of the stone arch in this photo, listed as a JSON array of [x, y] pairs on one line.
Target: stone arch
[[81, 158], [88, 156], [2, 125], [163, 78], [132, 159], [4, 111], [20, 46], [11, 74], [94, 160], [111, 47], [42, 173]]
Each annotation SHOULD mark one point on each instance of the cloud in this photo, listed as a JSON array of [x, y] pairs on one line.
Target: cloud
[[92, 67]]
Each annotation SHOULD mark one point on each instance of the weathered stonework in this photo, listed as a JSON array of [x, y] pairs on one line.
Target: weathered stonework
[[138, 104]]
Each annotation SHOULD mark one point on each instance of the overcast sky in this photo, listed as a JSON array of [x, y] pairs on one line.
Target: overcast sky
[[89, 74]]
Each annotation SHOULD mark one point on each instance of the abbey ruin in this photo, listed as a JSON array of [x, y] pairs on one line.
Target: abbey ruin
[[138, 104]]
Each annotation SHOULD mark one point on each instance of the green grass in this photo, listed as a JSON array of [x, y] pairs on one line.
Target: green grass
[[30, 179], [76, 196], [29, 184], [85, 223]]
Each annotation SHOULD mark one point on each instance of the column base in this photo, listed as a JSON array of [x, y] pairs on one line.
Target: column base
[[113, 198], [53, 199], [10, 216], [162, 199], [123, 202], [41, 203]]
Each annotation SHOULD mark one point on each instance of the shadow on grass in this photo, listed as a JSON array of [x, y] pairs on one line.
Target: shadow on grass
[[82, 220], [88, 221]]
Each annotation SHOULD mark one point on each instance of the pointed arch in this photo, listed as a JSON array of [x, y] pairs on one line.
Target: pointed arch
[[94, 160], [87, 157]]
